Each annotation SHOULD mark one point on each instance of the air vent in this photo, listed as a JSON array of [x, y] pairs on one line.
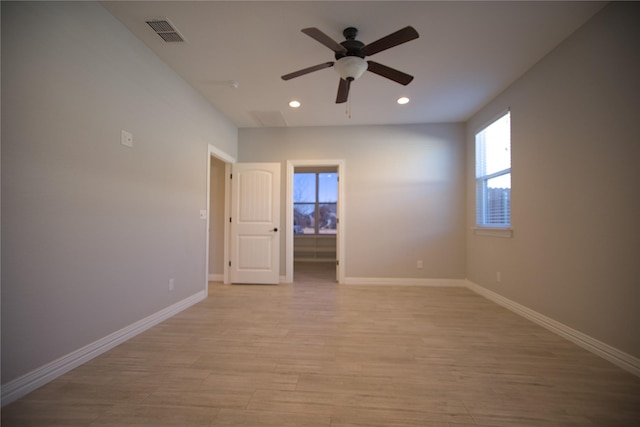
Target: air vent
[[165, 30]]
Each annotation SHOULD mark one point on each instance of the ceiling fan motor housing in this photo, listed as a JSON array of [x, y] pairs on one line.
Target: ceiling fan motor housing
[[353, 46]]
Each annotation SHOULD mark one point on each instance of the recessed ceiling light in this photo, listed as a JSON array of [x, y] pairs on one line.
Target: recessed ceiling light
[[294, 104], [403, 100]]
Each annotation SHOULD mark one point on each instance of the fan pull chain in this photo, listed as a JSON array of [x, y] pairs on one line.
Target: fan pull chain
[[348, 109]]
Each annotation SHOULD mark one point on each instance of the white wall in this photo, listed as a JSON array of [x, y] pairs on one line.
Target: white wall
[[404, 196], [92, 230], [575, 176]]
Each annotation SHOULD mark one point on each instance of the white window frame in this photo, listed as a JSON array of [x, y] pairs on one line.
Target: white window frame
[[317, 202], [483, 226]]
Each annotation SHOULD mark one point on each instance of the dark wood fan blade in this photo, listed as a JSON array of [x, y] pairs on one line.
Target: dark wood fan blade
[[401, 36], [390, 73], [307, 70], [321, 37], [343, 91]]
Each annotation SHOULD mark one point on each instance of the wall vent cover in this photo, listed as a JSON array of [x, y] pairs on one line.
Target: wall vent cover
[[165, 30]]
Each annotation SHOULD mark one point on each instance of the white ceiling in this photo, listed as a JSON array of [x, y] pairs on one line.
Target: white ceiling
[[467, 53]]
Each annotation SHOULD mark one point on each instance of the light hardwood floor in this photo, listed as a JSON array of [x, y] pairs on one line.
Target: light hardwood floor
[[318, 354]]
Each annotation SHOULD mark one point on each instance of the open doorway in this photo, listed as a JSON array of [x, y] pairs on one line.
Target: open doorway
[[315, 219], [315, 242], [217, 200], [217, 233]]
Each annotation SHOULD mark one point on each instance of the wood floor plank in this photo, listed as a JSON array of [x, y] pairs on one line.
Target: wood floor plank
[[318, 354], [296, 402], [52, 413], [248, 418], [241, 381], [156, 416], [343, 416], [201, 396]]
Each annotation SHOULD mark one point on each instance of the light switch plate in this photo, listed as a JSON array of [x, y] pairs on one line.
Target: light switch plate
[[203, 214]]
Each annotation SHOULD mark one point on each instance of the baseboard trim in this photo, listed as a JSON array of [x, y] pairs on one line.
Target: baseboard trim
[[404, 281], [25, 384], [617, 357], [215, 277]]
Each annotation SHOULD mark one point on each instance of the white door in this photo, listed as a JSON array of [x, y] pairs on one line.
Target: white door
[[255, 223]]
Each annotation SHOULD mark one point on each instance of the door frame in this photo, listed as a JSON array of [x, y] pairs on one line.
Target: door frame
[[340, 238], [228, 160]]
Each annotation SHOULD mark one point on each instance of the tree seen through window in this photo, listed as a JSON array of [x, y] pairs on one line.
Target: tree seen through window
[[315, 197]]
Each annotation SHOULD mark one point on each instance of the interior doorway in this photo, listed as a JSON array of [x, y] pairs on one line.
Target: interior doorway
[[217, 201], [217, 231], [314, 230]]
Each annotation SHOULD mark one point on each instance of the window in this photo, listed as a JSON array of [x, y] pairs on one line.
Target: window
[[493, 174], [315, 197]]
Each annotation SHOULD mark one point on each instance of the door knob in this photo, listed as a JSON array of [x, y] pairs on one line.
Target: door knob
[[275, 229]]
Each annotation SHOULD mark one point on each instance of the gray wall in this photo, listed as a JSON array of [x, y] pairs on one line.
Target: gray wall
[[404, 196], [575, 177], [92, 230]]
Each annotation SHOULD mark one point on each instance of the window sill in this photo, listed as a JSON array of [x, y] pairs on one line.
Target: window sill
[[506, 233]]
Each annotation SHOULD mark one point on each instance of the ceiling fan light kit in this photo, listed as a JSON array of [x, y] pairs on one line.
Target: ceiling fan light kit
[[349, 54], [350, 67]]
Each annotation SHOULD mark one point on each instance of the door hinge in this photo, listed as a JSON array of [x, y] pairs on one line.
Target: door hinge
[[229, 263], [337, 262], [230, 176], [229, 219]]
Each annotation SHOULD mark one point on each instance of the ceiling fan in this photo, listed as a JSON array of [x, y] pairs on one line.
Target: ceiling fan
[[350, 54]]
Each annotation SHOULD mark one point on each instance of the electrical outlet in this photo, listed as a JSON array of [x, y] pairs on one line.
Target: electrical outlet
[[499, 277], [171, 283], [419, 264], [126, 138]]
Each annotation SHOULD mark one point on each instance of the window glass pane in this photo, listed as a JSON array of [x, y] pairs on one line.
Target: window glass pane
[[304, 218], [493, 174], [327, 218], [328, 187], [493, 147], [304, 187], [500, 182], [498, 193]]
